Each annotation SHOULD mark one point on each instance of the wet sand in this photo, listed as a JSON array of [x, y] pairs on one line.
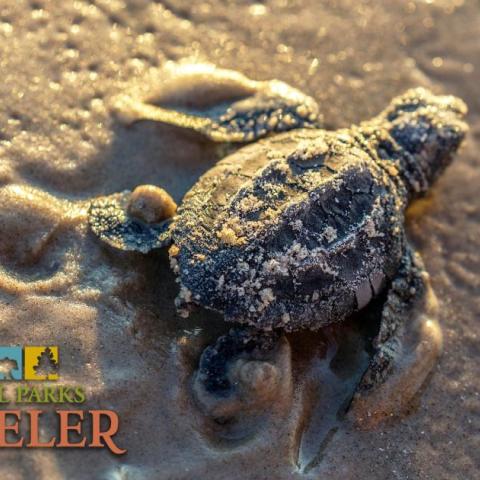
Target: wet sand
[[112, 313]]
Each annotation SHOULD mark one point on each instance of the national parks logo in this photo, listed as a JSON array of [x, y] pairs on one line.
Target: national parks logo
[[29, 363], [26, 367]]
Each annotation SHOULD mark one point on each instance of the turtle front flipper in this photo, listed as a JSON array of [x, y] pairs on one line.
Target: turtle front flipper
[[222, 105], [407, 347], [133, 221]]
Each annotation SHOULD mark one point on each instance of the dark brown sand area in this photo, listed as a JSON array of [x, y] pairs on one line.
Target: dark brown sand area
[[112, 313]]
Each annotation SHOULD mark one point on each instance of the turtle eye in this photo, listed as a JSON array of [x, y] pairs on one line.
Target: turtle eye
[[403, 108], [310, 155], [301, 164]]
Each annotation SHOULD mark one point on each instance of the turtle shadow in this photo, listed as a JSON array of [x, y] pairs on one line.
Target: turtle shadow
[[137, 325], [147, 152]]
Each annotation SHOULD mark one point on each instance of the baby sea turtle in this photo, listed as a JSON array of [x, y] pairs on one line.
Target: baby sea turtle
[[303, 228]]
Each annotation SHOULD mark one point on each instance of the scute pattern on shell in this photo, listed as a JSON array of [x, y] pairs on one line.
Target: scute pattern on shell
[[296, 238]]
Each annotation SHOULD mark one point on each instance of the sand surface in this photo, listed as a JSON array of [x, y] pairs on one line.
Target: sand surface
[[112, 313]]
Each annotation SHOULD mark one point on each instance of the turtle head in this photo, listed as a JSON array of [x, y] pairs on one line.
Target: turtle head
[[427, 130]]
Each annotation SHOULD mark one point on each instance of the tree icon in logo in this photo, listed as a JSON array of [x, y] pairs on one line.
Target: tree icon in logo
[[41, 363], [46, 364]]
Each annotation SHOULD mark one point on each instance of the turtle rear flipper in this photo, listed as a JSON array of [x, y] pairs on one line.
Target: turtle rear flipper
[[242, 385], [408, 345], [222, 105]]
